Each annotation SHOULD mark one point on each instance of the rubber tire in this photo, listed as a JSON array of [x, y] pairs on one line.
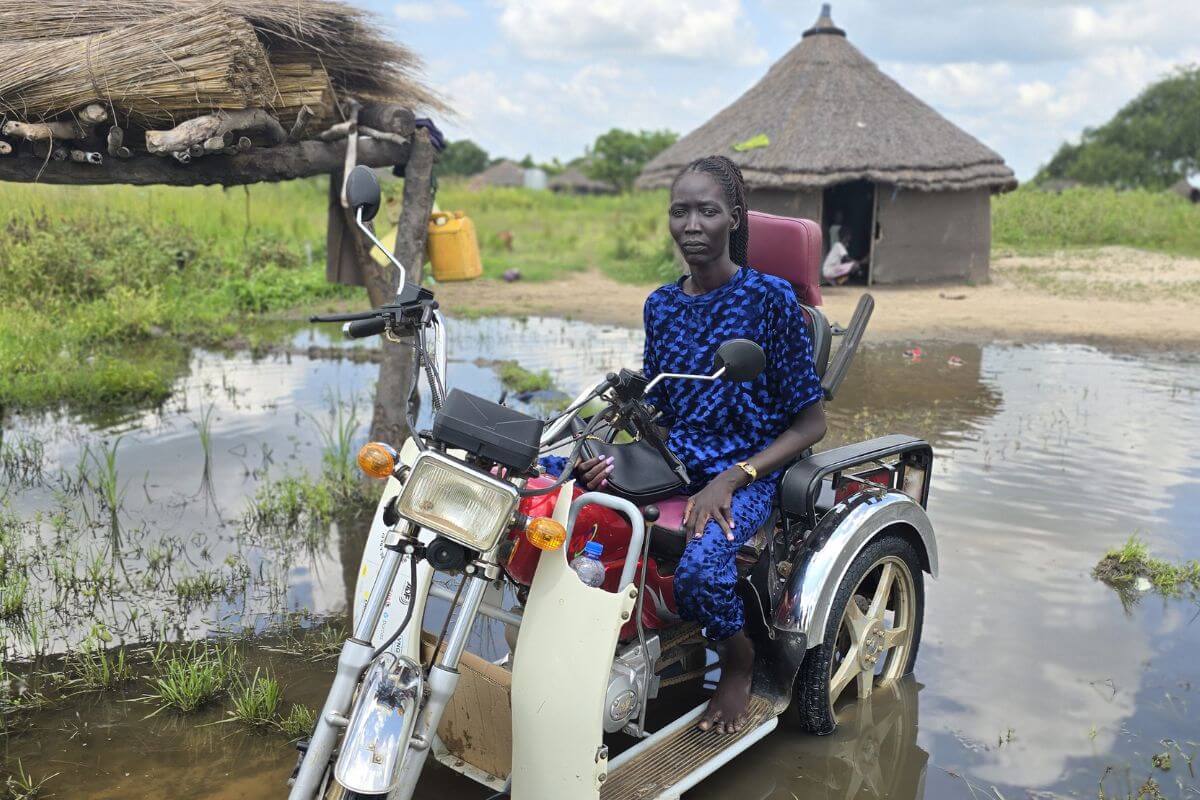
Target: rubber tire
[[811, 699]]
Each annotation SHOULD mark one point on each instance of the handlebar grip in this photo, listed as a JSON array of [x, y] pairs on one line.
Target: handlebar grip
[[352, 317], [363, 328]]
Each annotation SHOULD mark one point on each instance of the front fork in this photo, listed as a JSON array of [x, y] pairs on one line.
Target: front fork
[[353, 662]]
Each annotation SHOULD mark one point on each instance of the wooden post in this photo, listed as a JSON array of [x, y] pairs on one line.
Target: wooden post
[[397, 370]]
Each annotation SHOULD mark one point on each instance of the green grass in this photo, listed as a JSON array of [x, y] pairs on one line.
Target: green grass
[[518, 379], [105, 286], [96, 669], [21, 785], [256, 701], [194, 676], [1029, 220], [298, 722], [624, 236], [1122, 566]]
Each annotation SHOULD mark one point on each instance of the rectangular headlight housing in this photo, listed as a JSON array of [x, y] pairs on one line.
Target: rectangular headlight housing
[[456, 501]]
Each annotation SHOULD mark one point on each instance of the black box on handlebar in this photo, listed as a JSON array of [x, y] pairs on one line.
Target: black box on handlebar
[[489, 430]]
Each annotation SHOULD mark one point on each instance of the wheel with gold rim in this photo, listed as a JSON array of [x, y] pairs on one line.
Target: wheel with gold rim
[[872, 635]]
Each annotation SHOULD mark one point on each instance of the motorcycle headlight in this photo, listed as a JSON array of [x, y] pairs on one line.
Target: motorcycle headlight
[[461, 504]]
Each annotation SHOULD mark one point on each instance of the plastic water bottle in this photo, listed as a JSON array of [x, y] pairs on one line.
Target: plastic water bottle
[[587, 565]]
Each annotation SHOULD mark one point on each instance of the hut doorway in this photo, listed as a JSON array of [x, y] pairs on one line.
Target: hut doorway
[[849, 208]]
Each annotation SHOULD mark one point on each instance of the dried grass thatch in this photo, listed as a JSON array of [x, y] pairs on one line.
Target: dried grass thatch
[[832, 116], [166, 68], [344, 42]]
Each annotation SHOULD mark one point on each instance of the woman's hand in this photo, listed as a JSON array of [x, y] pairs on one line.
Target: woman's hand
[[594, 472], [712, 502]]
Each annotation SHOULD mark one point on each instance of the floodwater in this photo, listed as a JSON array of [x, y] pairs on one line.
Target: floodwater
[[1033, 679]]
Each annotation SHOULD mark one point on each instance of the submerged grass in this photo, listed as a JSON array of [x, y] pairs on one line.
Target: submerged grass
[[21, 785], [194, 676], [1122, 568], [256, 701], [518, 379], [298, 722]]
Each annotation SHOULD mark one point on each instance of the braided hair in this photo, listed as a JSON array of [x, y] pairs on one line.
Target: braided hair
[[729, 177]]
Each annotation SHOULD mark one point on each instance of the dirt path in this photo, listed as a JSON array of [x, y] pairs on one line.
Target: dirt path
[[1114, 296]]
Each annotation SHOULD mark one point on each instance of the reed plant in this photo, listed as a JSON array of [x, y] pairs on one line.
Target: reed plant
[[298, 722], [256, 701], [193, 676]]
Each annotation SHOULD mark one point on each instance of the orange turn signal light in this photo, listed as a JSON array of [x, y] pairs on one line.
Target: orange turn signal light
[[377, 459], [545, 533]]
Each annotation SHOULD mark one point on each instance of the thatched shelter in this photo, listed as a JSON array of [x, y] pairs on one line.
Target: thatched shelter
[[826, 135], [502, 173], [573, 181], [193, 92], [1185, 189]]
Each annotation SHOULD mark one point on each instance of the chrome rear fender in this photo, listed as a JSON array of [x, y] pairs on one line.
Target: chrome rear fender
[[841, 535]]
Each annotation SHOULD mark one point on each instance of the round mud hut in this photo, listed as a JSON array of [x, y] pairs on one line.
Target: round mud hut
[[827, 136]]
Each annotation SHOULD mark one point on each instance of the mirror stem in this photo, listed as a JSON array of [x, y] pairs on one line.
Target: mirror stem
[[659, 378], [390, 256]]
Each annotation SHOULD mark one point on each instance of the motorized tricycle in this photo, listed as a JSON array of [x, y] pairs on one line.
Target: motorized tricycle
[[832, 583]]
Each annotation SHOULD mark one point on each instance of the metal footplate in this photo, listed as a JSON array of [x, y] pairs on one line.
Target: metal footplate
[[679, 756]]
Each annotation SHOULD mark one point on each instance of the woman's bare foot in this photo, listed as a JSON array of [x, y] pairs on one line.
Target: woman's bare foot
[[726, 710]]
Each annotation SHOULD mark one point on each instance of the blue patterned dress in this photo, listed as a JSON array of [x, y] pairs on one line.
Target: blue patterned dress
[[715, 425]]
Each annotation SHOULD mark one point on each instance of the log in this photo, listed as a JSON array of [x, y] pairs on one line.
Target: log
[[389, 118], [86, 157], [5, 148], [285, 162], [197, 131], [43, 131], [397, 372]]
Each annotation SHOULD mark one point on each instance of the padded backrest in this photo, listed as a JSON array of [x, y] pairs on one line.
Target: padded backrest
[[788, 248]]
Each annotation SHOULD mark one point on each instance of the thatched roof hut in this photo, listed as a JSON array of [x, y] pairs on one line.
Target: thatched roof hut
[[1184, 188], [502, 173], [573, 181], [826, 135]]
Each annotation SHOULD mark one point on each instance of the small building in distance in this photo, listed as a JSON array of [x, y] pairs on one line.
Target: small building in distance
[[827, 136], [573, 181], [1186, 189], [502, 173], [509, 174]]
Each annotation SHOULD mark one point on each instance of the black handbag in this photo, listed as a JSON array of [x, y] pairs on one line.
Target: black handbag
[[642, 474]]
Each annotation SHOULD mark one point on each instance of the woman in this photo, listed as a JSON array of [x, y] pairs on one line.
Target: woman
[[734, 438]]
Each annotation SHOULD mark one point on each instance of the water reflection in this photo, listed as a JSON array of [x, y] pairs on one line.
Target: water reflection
[[873, 754], [1035, 678]]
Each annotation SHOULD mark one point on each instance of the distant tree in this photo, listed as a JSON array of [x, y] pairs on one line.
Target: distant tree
[[462, 157], [1153, 141], [527, 162], [618, 156]]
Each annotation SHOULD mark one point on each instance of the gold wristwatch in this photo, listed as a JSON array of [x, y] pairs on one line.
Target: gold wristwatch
[[749, 469]]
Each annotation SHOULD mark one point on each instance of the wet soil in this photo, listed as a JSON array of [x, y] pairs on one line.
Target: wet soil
[[1033, 680], [1117, 297]]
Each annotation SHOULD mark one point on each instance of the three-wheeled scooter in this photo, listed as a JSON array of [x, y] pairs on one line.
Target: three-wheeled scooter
[[833, 582]]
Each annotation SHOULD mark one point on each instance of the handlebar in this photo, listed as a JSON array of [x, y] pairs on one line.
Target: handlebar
[[349, 317], [362, 328]]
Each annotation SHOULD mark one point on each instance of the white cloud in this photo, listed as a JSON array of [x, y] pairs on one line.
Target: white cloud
[[428, 12], [562, 30]]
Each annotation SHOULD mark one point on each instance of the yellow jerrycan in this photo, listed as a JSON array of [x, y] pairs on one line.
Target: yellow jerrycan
[[453, 248]]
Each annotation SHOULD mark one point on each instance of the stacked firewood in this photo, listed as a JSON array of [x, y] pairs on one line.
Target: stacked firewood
[[90, 80]]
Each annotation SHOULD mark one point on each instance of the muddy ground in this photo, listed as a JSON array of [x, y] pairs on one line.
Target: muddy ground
[[1115, 296]]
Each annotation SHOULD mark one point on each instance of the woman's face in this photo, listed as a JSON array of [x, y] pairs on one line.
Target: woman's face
[[701, 219]]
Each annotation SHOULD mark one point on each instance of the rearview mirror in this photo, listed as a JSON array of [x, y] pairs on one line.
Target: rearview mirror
[[362, 192], [742, 360]]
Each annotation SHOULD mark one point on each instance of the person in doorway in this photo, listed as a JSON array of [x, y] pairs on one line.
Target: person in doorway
[[839, 267], [734, 438]]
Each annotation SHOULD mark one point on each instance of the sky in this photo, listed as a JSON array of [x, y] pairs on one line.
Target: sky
[[545, 77]]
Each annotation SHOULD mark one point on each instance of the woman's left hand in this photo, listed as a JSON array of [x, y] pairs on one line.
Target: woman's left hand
[[712, 502]]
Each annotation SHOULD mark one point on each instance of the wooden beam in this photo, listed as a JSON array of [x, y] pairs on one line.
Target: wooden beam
[[285, 162]]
